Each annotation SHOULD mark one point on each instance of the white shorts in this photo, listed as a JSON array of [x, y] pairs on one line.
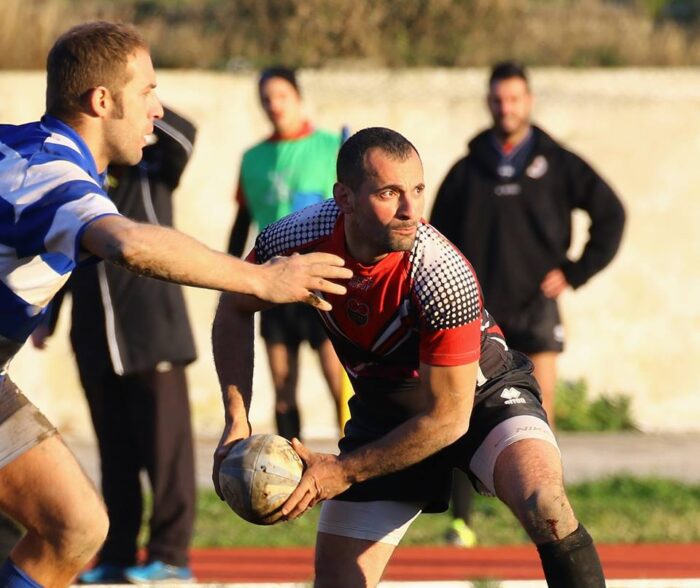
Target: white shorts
[[381, 521], [22, 425], [501, 436], [386, 521]]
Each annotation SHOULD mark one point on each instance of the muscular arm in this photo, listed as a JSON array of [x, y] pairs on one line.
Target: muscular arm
[[451, 396], [233, 346], [168, 254]]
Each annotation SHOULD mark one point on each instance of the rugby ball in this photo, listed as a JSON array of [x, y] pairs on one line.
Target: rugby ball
[[258, 475]]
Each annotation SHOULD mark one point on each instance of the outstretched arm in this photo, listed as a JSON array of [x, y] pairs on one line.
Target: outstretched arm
[[450, 393], [168, 254]]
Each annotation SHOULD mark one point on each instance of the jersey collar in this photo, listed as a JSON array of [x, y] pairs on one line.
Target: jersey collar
[[306, 129], [55, 125]]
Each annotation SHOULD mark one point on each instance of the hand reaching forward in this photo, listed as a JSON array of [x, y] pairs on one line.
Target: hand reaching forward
[[294, 278], [324, 478]]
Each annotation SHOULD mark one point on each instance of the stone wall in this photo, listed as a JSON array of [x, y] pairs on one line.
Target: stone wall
[[634, 329]]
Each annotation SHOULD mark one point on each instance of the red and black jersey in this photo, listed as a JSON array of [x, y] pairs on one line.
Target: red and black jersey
[[422, 305]]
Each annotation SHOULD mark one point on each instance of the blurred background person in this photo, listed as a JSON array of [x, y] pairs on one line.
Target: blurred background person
[[132, 340], [291, 169], [508, 207], [10, 533]]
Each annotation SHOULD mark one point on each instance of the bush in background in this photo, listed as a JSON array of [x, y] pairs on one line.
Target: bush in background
[[393, 33], [575, 412]]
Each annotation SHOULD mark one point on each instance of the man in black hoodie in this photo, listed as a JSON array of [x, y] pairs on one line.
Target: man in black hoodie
[[508, 207]]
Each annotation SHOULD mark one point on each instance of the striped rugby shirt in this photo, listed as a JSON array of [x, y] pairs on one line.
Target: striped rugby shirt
[[50, 191]]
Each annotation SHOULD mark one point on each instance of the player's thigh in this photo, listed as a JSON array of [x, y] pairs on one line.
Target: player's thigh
[[528, 478], [284, 368], [525, 466], [545, 368], [46, 490], [356, 540], [345, 562]]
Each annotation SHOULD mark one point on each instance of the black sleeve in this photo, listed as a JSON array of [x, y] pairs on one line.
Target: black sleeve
[[171, 153], [589, 192], [239, 233], [446, 215]]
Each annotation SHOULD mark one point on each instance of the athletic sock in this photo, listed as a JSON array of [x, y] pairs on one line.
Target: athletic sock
[[288, 423], [12, 577], [462, 496], [572, 562]]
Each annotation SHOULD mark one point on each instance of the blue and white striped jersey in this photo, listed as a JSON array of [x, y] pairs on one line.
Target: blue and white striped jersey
[[50, 191]]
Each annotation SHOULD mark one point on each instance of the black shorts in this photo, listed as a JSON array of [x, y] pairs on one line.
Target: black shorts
[[535, 329], [429, 482], [291, 325]]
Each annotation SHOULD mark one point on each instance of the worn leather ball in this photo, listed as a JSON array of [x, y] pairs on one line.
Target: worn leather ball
[[258, 475]]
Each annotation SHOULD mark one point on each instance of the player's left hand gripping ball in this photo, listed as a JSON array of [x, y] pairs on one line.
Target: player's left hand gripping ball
[[258, 475]]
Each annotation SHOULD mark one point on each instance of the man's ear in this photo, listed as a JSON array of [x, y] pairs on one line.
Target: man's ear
[[343, 197], [98, 101]]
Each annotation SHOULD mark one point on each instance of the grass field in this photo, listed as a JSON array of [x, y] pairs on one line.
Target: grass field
[[617, 510]]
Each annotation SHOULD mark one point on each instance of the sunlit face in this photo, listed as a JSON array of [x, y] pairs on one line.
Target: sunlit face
[[510, 104], [135, 108], [384, 212], [282, 105]]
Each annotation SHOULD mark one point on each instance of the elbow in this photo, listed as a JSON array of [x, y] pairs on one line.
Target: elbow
[[126, 248], [116, 251], [454, 426], [460, 427]]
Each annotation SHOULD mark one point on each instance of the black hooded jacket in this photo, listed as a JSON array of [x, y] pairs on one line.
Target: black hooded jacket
[[515, 230]]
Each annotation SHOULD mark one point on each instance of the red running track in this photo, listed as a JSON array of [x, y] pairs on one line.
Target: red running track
[[445, 563]]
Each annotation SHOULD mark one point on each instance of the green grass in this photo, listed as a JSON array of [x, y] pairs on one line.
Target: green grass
[[616, 510]]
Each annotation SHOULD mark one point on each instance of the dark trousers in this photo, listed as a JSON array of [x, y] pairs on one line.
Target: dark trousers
[[142, 422]]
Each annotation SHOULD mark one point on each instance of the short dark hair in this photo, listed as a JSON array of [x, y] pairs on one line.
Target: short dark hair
[[279, 71], [506, 70], [85, 57], [351, 168]]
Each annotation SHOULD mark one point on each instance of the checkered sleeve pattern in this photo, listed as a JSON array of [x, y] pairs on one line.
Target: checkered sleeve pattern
[[443, 282], [296, 231]]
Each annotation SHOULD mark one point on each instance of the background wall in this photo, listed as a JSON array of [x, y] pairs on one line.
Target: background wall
[[634, 329]]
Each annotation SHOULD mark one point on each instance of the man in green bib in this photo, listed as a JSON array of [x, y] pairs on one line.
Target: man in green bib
[[290, 170]]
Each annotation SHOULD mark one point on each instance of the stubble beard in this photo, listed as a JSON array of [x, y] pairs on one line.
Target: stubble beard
[[395, 243]]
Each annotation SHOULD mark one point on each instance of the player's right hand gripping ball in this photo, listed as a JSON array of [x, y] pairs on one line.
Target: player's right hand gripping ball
[[258, 475]]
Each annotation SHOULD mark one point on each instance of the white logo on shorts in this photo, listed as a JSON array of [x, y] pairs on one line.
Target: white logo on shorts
[[558, 333], [512, 396]]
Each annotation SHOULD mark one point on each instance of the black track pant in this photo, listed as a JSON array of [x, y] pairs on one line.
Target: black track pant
[[142, 423]]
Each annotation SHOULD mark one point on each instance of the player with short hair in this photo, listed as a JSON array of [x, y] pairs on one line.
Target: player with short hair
[[55, 214], [436, 385]]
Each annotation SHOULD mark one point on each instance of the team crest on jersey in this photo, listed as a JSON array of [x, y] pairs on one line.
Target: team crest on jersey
[[537, 168], [360, 283], [358, 312]]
